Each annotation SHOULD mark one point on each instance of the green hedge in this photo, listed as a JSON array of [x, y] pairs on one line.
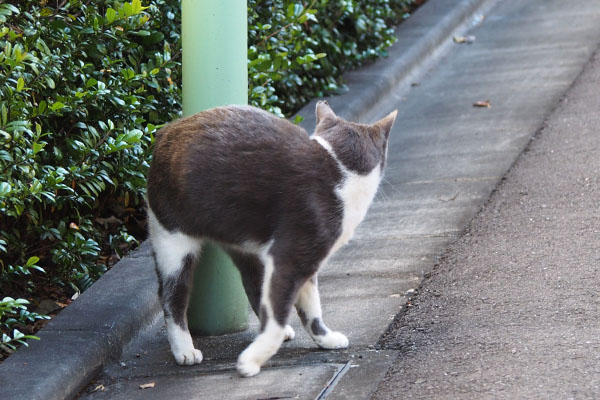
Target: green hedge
[[83, 88], [286, 37]]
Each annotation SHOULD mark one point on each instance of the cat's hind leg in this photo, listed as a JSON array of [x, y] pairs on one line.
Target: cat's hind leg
[[277, 297], [252, 271], [308, 306], [175, 255]]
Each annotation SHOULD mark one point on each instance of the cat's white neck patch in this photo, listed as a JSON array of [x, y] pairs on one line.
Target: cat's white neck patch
[[356, 192], [325, 144]]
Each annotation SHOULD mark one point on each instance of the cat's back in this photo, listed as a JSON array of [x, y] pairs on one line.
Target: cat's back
[[237, 164], [231, 144], [230, 128]]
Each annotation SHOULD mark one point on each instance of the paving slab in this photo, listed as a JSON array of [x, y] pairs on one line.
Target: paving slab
[[293, 382]]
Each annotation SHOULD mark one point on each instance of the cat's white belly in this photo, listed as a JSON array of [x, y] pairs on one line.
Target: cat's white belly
[[249, 246]]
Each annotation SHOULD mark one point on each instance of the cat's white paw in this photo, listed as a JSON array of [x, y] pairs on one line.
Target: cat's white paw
[[289, 333], [188, 357], [332, 340], [246, 366]]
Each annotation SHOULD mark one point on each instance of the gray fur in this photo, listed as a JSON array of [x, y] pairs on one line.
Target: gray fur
[[317, 327]]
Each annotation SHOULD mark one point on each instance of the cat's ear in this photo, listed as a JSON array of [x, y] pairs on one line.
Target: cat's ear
[[385, 125], [323, 111]]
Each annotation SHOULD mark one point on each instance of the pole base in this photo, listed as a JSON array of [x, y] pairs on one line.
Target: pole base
[[218, 304]]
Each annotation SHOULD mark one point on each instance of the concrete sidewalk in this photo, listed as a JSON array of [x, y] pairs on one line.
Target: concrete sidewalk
[[445, 159], [513, 309]]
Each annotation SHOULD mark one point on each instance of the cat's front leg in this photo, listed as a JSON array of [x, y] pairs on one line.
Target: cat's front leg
[[289, 333], [308, 306]]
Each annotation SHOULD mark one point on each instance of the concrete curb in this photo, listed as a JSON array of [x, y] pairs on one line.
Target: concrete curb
[[419, 38], [91, 331], [94, 329]]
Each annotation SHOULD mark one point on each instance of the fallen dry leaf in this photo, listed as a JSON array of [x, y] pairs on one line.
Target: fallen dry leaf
[[62, 304], [464, 39], [99, 388], [148, 385], [482, 104]]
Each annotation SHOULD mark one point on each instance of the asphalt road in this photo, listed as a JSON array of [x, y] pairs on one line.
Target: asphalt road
[[512, 310]]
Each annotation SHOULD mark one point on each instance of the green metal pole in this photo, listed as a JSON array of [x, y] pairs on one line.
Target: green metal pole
[[215, 73]]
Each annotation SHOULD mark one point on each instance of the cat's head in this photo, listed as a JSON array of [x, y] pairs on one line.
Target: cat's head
[[359, 147]]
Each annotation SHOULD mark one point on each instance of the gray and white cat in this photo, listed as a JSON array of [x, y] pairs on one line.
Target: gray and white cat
[[278, 201]]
